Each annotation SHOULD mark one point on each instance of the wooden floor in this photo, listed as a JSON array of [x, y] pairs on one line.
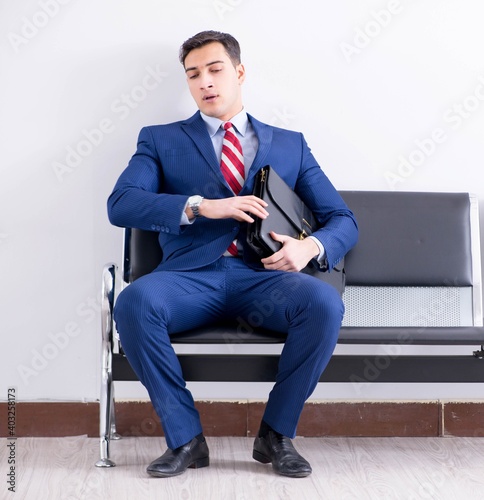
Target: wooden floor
[[343, 468]]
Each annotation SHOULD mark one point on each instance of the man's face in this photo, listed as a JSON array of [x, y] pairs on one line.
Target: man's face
[[214, 82]]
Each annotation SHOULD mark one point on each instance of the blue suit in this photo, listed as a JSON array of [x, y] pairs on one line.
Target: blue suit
[[173, 162]]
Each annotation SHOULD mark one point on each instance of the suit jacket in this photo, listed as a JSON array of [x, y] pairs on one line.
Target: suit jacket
[[177, 160]]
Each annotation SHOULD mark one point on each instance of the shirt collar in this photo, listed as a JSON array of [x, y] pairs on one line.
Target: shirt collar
[[240, 121]]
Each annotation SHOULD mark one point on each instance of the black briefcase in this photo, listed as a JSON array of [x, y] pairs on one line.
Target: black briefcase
[[289, 215]]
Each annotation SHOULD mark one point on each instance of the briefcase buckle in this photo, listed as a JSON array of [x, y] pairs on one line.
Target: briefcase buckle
[[302, 235]]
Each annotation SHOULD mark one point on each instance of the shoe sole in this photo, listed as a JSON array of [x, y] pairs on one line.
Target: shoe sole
[[198, 464], [264, 459]]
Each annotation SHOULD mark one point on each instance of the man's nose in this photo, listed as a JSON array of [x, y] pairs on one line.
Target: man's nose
[[206, 82]]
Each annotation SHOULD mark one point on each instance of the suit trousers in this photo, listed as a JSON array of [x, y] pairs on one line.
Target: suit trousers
[[162, 303]]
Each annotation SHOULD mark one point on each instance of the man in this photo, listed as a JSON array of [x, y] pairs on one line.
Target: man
[[177, 185]]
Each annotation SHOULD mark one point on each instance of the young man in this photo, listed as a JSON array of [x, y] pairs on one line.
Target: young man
[[186, 185]]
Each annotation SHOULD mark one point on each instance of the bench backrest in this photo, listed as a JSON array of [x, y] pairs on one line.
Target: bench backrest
[[417, 261]]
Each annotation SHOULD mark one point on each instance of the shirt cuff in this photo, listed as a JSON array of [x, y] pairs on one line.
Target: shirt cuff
[[321, 258], [184, 220]]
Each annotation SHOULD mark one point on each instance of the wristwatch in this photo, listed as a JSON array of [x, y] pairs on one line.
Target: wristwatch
[[194, 203]]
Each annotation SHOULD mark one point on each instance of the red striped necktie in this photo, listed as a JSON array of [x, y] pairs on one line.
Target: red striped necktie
[[232, 166]]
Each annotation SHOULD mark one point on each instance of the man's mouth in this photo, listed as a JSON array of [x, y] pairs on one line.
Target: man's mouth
[[209, 97]]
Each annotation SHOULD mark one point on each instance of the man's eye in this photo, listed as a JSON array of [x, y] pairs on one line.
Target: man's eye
[[192, 77]]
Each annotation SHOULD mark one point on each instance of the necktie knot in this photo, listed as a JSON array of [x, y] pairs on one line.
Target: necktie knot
[[227, 126]]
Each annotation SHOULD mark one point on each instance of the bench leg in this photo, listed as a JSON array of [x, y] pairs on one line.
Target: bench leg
[[107, 426], [105, 411], [112, 433]]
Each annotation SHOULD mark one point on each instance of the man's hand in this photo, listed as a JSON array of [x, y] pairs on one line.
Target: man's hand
[[294, 254], [236, 207]]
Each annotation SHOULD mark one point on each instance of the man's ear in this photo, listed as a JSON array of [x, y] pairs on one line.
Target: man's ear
[[240, 69]]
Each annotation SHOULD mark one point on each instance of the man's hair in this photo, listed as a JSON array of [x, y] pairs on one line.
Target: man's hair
[[230, 44]]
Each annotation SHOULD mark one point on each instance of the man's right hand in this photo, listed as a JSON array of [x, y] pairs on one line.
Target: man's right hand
[[236, 207]]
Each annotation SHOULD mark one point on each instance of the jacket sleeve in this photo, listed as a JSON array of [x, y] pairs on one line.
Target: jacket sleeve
[[338, 230], [137, 200]]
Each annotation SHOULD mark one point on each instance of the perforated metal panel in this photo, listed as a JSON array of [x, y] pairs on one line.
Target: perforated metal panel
[[408, 306]]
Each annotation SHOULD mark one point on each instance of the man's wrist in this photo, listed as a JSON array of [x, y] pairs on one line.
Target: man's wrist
[[193, 206], [321, 252]]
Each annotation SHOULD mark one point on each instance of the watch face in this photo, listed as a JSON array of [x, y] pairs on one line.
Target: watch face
[[195, 203]]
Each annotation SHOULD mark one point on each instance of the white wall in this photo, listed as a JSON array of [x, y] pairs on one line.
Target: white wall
[[87, 75]]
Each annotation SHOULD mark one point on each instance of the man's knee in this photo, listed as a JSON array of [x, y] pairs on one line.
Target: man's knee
[[135, 304], [325, 305]]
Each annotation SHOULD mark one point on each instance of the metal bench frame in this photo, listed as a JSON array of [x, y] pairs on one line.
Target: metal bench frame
[[411, 240]]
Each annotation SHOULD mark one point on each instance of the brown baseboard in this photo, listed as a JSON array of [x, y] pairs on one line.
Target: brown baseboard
[[242, 418]]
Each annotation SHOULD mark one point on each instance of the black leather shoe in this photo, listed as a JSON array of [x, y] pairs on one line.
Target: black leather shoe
[[278, 449], [174, 462]]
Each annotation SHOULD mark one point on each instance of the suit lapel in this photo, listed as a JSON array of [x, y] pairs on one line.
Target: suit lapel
[[197, 130]]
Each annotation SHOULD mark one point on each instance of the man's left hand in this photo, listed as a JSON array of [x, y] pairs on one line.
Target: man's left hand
[[294, 254]]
